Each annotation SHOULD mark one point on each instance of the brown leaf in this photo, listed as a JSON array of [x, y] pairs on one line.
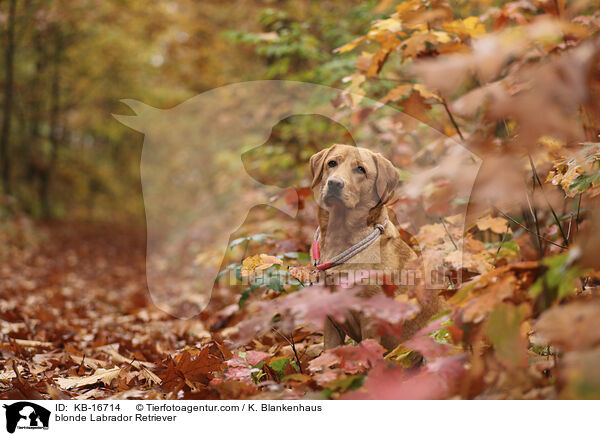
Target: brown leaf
[[105, 376], [350, 358], [398, 93], [496, 225], [574, 326]]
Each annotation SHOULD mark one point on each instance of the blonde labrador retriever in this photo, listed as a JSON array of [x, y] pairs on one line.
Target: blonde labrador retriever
[[352, 186]]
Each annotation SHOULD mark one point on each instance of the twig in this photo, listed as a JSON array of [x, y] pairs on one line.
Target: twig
[[292, 344], [506, 128], [537, 177], [533, 212], [569, 230], [449, 235], [452, 120], [578, 209], [501, 242], [527, 230], [246, 248], [138, 367]]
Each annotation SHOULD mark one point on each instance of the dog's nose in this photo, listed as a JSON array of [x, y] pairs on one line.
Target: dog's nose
[[335, 183]]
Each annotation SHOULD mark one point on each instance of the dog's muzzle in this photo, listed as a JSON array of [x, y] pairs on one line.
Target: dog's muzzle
[[334, 188]]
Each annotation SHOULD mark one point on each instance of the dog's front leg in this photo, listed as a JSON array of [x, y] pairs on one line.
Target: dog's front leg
[[333, 336], [367, 329]]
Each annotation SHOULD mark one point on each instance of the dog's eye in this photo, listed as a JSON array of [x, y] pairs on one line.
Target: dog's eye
[[332, 164], [361, 170]]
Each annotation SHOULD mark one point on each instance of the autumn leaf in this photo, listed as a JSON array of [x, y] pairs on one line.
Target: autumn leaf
[[351, 45], [350, 358], [398, 93], [425, 343], [258, 262], [315, 303], [388, 43], [496, 224], [503, 329], [569, 327], [438, 380], [426, 92], [470, 26], [418, 43], [105, 376]]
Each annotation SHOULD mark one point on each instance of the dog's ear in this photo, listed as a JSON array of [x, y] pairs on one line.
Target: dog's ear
[[317, 163], [387, 178]]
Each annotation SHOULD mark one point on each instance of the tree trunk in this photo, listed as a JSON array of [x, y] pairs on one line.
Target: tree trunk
[[54, 124], [8, 97], [36, 163]]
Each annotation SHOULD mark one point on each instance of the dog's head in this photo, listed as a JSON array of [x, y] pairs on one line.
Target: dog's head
[[351, 177]]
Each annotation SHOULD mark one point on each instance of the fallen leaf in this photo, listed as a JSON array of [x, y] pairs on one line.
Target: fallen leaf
[[105, 376]]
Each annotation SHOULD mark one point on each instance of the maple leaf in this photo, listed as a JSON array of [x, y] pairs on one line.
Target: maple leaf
[[418, 43], [315, 303], [197, 367], [416, 107], [437, 380], [255, 357], [467, 27], [476, 299], [192, 366], [238, 369], [350, 358]]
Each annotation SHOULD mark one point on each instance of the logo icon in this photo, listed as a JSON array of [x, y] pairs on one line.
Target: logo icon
[[26, 415]]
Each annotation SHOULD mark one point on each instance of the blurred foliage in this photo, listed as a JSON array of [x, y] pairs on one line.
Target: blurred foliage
[[74, 61], [297, 41], [282, 160]]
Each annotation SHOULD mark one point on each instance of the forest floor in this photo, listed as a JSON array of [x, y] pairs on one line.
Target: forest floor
[[75, 305], [77, 322]]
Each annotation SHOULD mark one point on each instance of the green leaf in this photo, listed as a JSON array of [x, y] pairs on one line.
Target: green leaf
[[558, 281], [238, 241], [260, 237], [279, 365], [303, 257], [350, 383], [584, 181], [503, 329], [243, 297]]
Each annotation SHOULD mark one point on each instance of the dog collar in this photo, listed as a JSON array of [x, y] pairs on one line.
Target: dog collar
[[345, 255]]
